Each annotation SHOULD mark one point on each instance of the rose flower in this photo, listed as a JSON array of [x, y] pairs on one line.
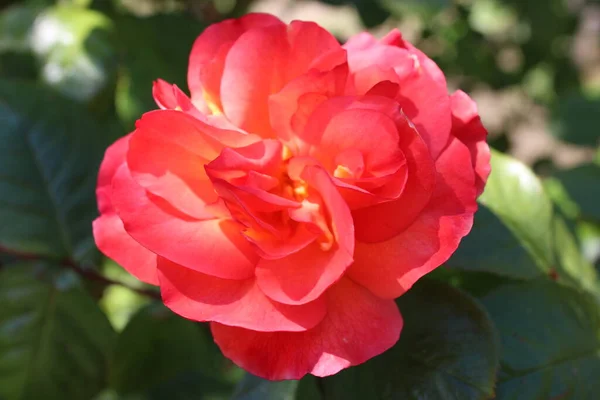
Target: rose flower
[[297, 192]]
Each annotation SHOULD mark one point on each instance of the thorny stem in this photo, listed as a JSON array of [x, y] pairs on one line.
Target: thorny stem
[[90, 274]]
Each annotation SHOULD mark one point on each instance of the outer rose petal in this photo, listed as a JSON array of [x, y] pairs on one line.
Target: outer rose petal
[[213, 247], [114, 157], [208, 44], [311, 47], [170, 97], [167, 154], [357, 327], [303, 276], [109, 234], [238, 303], [254, 69], [467, 127], [427, 105], [115, 243], [394, 38], [390, 268]]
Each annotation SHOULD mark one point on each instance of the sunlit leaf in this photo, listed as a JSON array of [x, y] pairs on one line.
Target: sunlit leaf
[[76, 49], [516, 196]]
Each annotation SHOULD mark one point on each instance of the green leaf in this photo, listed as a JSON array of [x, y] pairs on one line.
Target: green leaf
[[371, 13], [76, 49], [447, 350], [54, 340], [589, 236], [166, 58], [574, 268], [255, 388], [583, 186], [516, 196], [16, 59], [159, 350], [492, 17], [423, 7], [49, 158], [577, 119], [16, 22], [490, 246], [118, 302], [550, 341], [190, 385]]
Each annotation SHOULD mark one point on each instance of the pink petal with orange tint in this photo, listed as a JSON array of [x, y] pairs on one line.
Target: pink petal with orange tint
[[390, 268], [304, 275], [467, 127], [114, 157], [289, 115], [254, 69], [167, 154], [208, 44], [115, 243], [213, 247], [423, 94], [358, 326], [383, 221], [237, 303]]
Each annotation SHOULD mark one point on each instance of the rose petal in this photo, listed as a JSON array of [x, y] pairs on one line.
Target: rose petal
[[170, 97], [304, 275], [423, 93], [115, 243], [386, 220], [366, 124], [263, 157], [254, 69], [357, 327], [238, 303], [370, 52], [167, 154], [213, 247], [114, 157], [426, 103], [207, 46], [311, 47], [394, 38], [390, 268], [467, 127], [289, 115], [368, 78], [109, 235]]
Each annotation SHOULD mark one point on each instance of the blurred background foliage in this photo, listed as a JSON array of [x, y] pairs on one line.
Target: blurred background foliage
[[515, 317]]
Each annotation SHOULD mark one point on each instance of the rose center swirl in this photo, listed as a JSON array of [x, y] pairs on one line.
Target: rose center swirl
[[271, 194]]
